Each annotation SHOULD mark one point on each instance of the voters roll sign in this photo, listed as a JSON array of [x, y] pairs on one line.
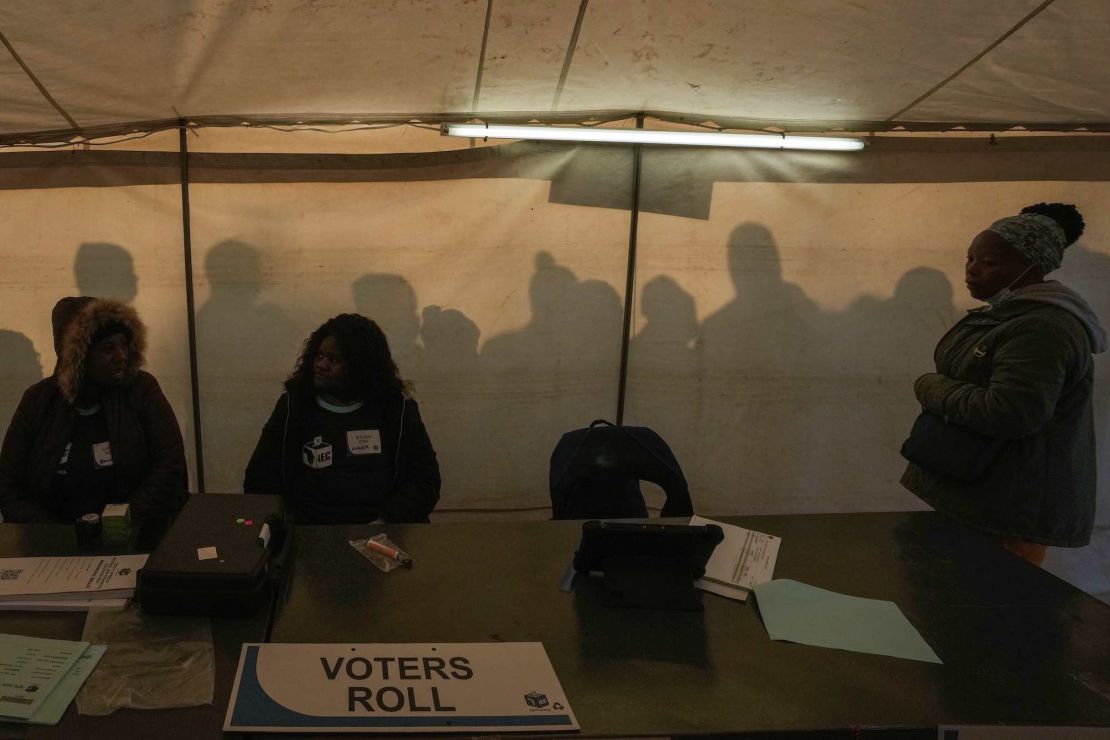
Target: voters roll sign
[[402, 687]]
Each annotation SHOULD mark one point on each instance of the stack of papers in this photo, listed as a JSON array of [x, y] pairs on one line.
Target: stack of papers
[[39, 678], [68, 583], [744, 559]]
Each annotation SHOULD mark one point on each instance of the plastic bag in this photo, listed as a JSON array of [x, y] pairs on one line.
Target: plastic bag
[[384, 562], [152, 662]]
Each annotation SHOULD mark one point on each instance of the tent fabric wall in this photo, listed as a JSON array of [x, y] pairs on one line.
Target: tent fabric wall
[[112, 235], [778, 341], [502, 305], [784, 302]]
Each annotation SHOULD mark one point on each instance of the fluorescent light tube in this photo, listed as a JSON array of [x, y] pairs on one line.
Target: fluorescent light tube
[[643, 136]]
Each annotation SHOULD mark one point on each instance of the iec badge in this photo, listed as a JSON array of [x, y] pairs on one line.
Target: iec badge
[[317, 453]]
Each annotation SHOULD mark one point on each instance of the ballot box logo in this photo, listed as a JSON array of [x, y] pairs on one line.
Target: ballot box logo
[[317, 453], [102, 455], [536, 700]]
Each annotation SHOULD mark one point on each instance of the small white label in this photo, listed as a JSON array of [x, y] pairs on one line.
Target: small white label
[[65, 455], [264, 535], [102, 455], [364, 442], [207, 553]]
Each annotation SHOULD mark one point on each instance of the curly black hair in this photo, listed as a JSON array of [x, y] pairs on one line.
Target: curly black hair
[[365, 351], [1065, 214]]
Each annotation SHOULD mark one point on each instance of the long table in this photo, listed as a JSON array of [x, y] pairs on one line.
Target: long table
[[1019, 646], [42, 540]]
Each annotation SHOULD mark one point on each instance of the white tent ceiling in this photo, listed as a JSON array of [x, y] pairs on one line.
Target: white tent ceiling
[[795, 64]]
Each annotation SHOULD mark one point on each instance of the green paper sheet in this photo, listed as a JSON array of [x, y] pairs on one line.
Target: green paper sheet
[[798, 612], [30, 668], [51, 711]]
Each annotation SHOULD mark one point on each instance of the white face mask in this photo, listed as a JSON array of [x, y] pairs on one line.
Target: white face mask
[[1006, 293]]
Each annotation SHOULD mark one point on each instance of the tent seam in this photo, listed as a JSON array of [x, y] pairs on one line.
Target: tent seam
[[42, 88], [481, 59], [572, 45], [929, 93]]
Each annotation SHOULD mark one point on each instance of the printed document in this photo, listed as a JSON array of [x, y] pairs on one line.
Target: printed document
[[30, 668], [107, 576], [55, 705], [742, 560]]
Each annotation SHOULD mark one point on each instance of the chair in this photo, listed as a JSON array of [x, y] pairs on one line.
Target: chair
[[595, 473]]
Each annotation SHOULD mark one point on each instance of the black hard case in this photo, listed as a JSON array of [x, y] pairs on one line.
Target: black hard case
[[239, 580]]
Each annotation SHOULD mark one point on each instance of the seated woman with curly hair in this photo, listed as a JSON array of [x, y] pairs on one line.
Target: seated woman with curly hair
[[345, 442]]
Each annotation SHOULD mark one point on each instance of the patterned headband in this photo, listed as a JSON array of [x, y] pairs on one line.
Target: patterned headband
[[1037, 237]]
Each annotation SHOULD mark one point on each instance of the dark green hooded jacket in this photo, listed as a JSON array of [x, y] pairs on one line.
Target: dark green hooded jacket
[[1020, 371]]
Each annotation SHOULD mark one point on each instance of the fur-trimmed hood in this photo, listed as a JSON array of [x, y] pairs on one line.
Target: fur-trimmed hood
[[78, 334]]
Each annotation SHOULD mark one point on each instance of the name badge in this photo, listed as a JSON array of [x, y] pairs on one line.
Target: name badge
[[317, 453], [102, 455], [364, 442]]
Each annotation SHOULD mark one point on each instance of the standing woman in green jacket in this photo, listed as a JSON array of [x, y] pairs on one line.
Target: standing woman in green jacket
[[97, 431], [1020, 369]]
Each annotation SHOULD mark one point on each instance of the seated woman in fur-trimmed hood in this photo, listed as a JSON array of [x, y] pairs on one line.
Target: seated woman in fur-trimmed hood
[[97, 431]]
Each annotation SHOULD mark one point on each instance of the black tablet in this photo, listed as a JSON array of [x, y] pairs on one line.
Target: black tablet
[[681, 546]]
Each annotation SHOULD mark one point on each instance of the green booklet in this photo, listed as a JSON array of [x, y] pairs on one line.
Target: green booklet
[[30, 670]]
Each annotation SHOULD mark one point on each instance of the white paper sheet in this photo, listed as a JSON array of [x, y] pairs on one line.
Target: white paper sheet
[[742, 560], [109, 576]]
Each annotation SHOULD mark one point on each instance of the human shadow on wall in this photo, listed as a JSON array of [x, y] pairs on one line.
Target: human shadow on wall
[[453, 400], [756, 358], [244, 353], [20, 370], [390, 301], [663, 380], [105, 270], [437, 353], [556, 373], [893, 339], [450, 342], [881, 347], [803, 409]]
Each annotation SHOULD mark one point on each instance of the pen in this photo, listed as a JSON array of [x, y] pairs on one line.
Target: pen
[[389, 552]]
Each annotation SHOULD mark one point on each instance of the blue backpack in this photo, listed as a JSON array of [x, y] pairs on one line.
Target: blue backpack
[[595, 473]]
